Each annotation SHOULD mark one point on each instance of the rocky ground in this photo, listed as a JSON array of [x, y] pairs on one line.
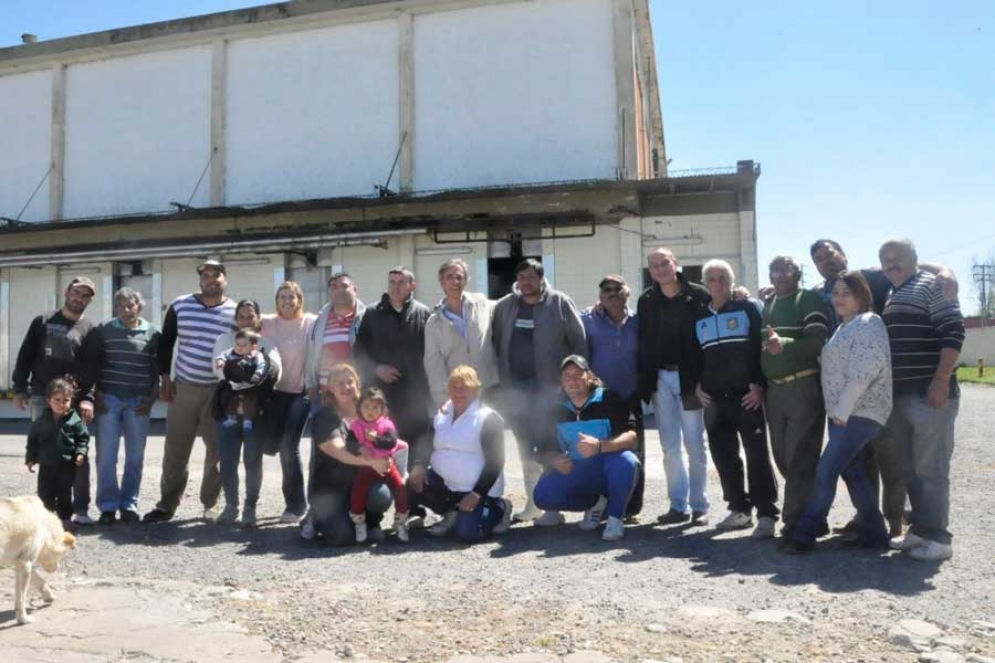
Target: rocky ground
[[191, 591]]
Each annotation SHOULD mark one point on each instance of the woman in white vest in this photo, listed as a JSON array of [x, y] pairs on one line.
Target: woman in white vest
[[463, 479]]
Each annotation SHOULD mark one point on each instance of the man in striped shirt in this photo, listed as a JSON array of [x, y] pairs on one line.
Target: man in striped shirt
[[926, 332], [121, 360], [192, 324], [796, 327]]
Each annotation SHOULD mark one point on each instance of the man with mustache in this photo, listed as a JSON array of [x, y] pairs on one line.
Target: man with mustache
[[926, 331], [613, 343]]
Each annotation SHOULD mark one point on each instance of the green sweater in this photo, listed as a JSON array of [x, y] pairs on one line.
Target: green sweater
[[800, 320], [52, 441]]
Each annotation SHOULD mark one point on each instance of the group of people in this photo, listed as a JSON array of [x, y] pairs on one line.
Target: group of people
[[872, 352]]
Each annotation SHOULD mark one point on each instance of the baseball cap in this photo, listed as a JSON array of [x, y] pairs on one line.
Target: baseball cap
[[210, 264], [85, 282], [612, 278], [577, 361]]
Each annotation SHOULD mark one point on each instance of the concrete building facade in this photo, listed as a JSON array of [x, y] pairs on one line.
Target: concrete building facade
[[299, 139]]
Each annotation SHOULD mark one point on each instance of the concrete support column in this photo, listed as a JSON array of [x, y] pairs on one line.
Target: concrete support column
[[57, 176], [219, 119], [406, 99], [6, 366], [625, 87], [748, 250], [631, 259]]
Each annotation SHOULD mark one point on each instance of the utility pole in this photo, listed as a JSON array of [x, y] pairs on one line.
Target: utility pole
[[984, 277]]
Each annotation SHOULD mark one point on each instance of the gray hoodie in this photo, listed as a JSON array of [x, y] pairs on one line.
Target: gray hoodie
[[559, 332]]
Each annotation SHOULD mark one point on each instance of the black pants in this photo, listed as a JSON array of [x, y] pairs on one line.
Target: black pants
[[728, 422], [55, 487], [636, 501]]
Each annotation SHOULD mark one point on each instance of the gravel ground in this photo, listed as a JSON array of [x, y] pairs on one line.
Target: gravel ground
[[659, 594]]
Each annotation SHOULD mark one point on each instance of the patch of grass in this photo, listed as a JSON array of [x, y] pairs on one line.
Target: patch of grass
[[970, 374]]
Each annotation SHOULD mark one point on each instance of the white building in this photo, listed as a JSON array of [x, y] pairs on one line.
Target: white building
[[502, 129]]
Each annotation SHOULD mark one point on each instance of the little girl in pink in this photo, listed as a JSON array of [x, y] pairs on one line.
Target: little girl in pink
[[376, 432]]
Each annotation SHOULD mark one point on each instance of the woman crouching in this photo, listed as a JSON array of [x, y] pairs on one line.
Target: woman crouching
[[590, 459], [463, 479]]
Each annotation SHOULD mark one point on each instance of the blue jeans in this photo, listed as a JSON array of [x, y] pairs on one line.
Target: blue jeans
[[230, 443], [472, 526], [613, 475], [296, 416], [681, 429], [842, 457], [330, 513], [120, 419]]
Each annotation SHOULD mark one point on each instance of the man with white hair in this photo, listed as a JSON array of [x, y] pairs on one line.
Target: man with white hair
[[926, 331], [729, 335]]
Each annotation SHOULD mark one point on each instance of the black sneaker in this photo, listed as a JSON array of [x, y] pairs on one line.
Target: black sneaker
[[673, 517], [128, 516], [157, 515], [699, 518], [850, 527], [106, 518]]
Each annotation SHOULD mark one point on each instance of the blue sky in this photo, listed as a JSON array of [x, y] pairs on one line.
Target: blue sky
[[869, 118]]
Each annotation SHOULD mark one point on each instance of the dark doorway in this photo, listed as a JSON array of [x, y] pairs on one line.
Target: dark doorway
[[693, 274], [501, 270]]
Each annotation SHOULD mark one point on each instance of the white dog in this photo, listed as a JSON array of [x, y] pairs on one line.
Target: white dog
[[31, 536]]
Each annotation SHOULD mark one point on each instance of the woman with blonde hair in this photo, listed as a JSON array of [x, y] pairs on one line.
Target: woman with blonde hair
[[289, 330], [337, 457], [462, 479]]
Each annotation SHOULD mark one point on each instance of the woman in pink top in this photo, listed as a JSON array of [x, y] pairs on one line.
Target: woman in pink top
[[289, 331]]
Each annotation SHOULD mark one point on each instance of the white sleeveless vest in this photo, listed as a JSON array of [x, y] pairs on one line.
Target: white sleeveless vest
[[457, 456]]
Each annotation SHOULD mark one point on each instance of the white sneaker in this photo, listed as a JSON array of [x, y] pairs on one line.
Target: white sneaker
[[444, 526], [614, 529], [249, 517], [228, 515], [360, 522], [592, 517], [932, 551], [82, 519], [550, 519], [211, 514], [307, 530], [530, 512], [735, 520], [764, 529], [401, 527], [505, 523], [909, 542], [291, 518]]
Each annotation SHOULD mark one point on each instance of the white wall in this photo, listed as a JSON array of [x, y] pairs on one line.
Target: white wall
[[25, 143], [979, 343], [137, 132], [514, 93], [312, 114]]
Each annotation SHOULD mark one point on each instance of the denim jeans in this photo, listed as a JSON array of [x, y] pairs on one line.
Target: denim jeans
[[926, 435], [231, 440], [681, 429], [613, 475], [297, 411], [842, 457], [81, 477], [471, 526], [330, 513], [119, 420]]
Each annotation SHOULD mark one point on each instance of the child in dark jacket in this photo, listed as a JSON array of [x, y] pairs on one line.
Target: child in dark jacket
[[57, 443]]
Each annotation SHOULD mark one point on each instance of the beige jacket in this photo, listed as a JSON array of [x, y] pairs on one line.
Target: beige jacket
[[445, 349]]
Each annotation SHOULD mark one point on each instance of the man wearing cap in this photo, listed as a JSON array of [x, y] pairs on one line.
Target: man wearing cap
[[613, 347], [52, 348], [192, 324]]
